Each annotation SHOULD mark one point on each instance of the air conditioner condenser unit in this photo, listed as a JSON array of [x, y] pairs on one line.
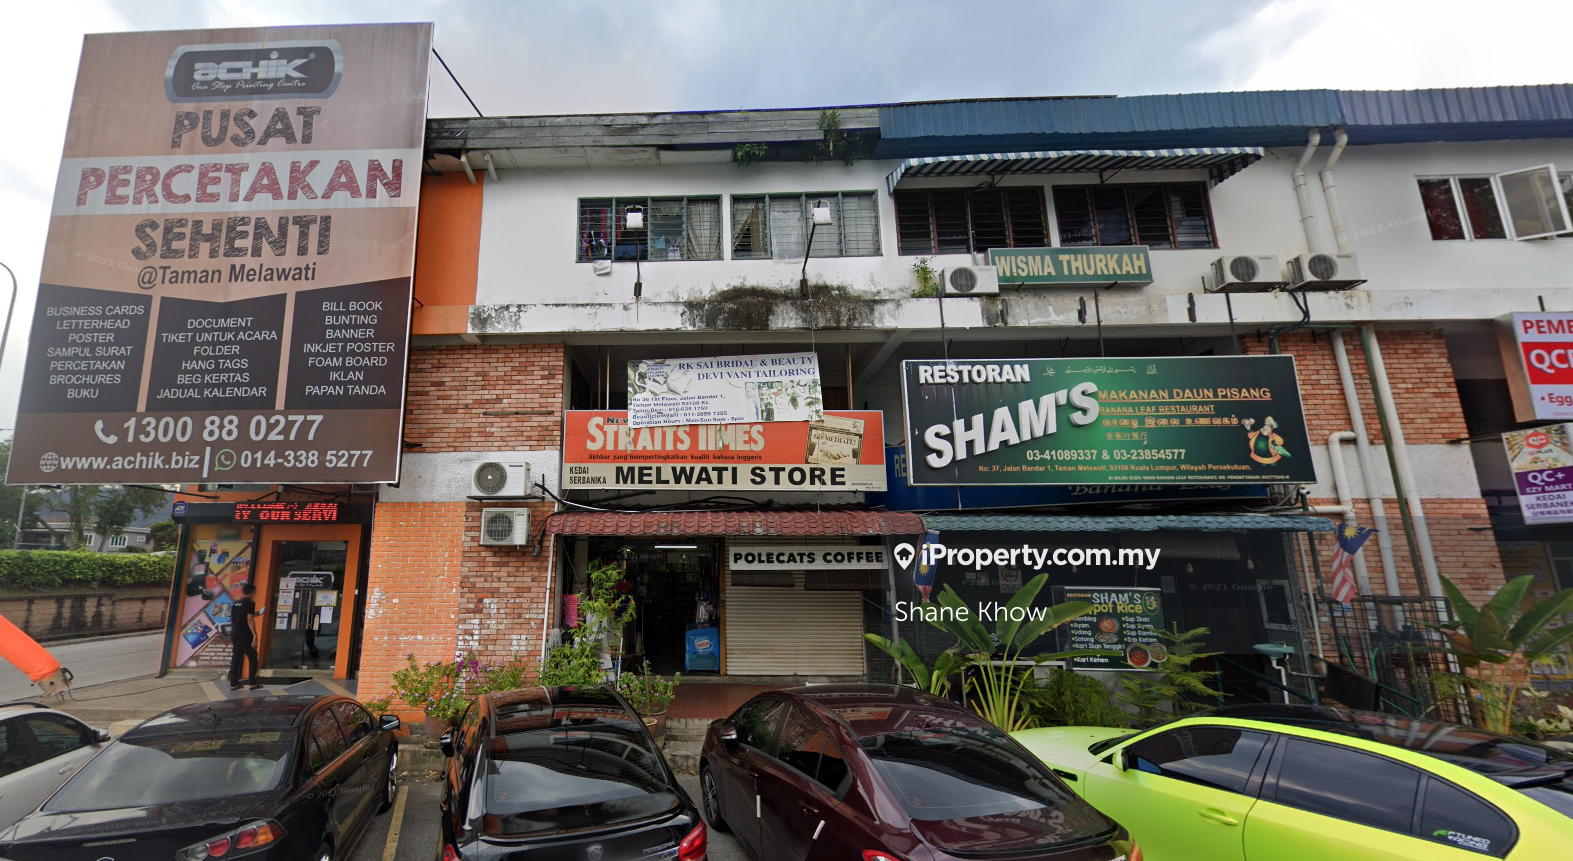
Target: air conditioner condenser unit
[[972, 281], [505, 527], [1324, 272], [494, 479], [1246, 273]]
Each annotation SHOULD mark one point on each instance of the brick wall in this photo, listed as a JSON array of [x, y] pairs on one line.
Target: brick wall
[[433, 591], [492, 397]]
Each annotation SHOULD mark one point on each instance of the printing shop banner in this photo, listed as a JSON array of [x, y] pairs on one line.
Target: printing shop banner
[[1168, 420], [225, 293]]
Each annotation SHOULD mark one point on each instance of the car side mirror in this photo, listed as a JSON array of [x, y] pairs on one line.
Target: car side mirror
[[447, 743], [728, 734], [389, 723], [101, 736]]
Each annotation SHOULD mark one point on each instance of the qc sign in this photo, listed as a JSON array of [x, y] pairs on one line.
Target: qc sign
[[1545, 345]]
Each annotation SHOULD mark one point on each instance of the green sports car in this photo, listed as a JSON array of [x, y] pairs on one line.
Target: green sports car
[[1251, 783]]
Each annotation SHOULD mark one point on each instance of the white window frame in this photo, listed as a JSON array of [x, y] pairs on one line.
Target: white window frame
[[807, 199], [1550, 170], [117, 541], [1463, 211]]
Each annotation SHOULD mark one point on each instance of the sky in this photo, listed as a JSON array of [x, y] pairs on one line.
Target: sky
[[527, 57]]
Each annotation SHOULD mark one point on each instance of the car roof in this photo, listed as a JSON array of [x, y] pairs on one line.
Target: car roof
[[239, 715], [538, 697], [10, 710], [870, 710]]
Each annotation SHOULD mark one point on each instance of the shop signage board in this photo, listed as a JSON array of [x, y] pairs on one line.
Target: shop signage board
[[843, 452], [780, 387], [815, 557], [1069, 267], [1123, 625], [225, 291], [1165, 420], [1545, 345], [1542, 464]]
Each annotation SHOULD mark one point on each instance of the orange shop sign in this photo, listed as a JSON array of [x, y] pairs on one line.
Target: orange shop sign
[[845, 451]]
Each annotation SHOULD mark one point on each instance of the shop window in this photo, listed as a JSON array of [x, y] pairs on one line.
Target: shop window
[[1159, 215], [1314, 777], [956, 221], [675, 228], [778, 225]]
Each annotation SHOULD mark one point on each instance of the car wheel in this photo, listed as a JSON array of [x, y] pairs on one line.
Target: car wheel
[[390, 787], [710, 796]]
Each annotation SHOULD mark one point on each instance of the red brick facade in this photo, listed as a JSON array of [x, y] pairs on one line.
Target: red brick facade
[[433, 591]]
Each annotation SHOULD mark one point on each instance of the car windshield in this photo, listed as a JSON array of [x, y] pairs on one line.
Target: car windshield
[[1558, 796], [558, 769], [956, 775], [172, 767]]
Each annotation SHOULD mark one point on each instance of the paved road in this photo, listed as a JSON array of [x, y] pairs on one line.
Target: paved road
[[417, 837], [93, 662]]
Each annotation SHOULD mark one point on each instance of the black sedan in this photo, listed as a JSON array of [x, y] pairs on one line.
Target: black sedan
[[261, 778], [562, 773]]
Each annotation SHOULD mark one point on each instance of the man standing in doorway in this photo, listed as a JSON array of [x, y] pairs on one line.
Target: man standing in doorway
[[243, 638]]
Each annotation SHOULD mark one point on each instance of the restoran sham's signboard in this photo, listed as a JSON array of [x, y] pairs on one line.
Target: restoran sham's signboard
[[1545, 344], [843, 451], [1169, 420], [225, 290]]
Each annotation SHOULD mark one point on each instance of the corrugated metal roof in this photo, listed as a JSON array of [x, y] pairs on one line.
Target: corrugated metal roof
[[675, 524], [1227, 161], [1150, 523], [1462, 113]]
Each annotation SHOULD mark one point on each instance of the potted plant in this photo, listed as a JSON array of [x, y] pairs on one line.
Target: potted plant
[[650, 694], [434, 688]]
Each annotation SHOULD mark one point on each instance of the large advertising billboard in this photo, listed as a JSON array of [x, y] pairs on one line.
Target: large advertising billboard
[[225, 292], [845, 450], [1541, 460], [1545, 346], [1185, 420]]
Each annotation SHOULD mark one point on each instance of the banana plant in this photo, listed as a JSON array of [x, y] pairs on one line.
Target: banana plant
[[935, 681], [1490, 642], [1001, 672]]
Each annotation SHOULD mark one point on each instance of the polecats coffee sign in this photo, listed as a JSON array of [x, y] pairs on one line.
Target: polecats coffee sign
[[226, 286], [1168, 420]]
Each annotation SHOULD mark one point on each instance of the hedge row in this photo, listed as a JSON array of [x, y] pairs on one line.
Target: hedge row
[[40, 570]]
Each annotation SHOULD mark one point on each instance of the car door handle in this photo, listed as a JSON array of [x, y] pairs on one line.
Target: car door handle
[[810, 809], [1218, 816], [65, 769]]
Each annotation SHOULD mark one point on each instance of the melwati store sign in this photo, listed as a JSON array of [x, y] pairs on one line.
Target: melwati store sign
[[1545, 343]]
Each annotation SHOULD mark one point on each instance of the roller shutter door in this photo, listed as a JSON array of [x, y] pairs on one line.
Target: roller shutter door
[[793, 632]]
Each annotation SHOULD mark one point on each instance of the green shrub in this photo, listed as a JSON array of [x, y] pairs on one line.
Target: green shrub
[[41, 570], [1065, 698]]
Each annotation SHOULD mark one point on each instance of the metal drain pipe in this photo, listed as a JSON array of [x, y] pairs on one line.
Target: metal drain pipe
[[1373, 493], [1398, 453]]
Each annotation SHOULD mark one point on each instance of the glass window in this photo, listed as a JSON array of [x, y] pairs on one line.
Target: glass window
[[756, 724], [55, 735], [558, 769], [144, 769], [675, 228], [806, 747], [778, 226], [1458, 818], [1216, 756], [1162, 215], [327, 740], [954, 221], [355, 720], [1347, 784], [1436, 195], [13, 756], [1480, 204], [750, 232]]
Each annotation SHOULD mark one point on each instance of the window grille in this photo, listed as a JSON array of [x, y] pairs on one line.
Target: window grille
[[955, 221], [778, 226], [675, 228], [1158, 215]]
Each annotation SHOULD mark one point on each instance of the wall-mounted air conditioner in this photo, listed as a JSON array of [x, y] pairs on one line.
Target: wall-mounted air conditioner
[[492, 479], [505, 527], [1246, 273], [972, 281], [1311, 272]]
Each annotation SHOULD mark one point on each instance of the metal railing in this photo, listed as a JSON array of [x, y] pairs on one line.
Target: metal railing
[[1393, 641]]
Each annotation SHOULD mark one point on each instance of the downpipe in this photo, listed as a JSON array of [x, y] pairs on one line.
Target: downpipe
[[1302, 190], [1373, 493], [1398, 453], [1335, 215]]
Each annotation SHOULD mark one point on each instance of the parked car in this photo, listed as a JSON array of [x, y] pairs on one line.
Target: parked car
[[264, 778], [40, 749], [561, 773], [1313, 782], [885, 773]]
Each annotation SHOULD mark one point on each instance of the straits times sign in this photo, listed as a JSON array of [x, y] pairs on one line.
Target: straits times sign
[[226, 287], [1201, 420]]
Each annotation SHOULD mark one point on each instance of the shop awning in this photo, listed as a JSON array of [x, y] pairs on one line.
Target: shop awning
[[1223, 162], [1150, 523], [673, 524]]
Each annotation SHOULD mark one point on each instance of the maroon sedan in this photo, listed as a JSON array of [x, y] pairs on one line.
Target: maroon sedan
[[886, 773]]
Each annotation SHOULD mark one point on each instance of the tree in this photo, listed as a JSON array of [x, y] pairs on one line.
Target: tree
[[164, 535], [115, 507], [1497, 640], [11, 501]]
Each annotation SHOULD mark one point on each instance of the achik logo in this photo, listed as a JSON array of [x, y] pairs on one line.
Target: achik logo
[[207, 73]]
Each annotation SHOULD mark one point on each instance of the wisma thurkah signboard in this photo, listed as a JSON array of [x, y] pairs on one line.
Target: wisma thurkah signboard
[[225, 291], [1191, 420]]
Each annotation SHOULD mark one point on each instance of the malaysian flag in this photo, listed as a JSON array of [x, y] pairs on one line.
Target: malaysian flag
[[1350, 539]]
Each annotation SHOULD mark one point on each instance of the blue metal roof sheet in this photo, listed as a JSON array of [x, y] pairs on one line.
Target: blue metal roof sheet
[[1127, 523], [1226, 161], [1461, 113]]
